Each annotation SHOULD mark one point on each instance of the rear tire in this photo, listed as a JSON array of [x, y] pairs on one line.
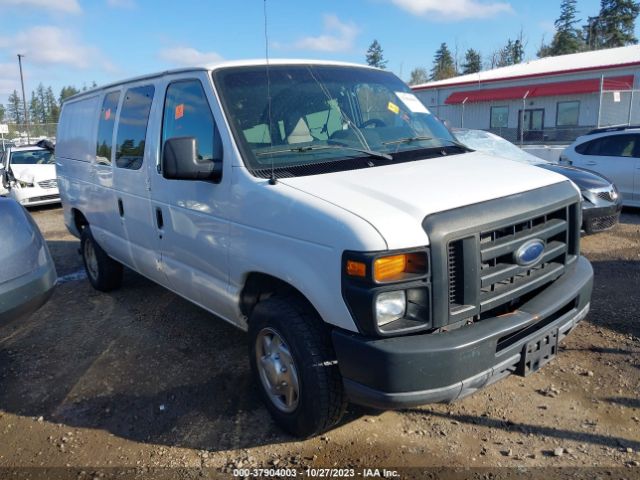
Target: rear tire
[[104, 273], [294, 366]]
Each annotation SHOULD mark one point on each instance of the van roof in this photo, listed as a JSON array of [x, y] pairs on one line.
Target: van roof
[[216, 66]]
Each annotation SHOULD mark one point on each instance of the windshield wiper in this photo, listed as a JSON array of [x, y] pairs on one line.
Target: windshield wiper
[[407, 140], [418, 138], [309, 148]]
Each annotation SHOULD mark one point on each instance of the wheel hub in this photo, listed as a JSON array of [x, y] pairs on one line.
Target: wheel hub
[[90, 259], [277, 370]]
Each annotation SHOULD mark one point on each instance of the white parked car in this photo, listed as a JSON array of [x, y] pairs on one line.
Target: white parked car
[[322, 208], [29, 175], [613, 152]]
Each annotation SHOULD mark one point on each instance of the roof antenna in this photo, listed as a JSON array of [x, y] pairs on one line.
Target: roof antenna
[[272, 179]]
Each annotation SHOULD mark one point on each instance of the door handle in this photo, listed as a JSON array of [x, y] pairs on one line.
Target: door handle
[[591, 163], [120, 207], [159, 219]]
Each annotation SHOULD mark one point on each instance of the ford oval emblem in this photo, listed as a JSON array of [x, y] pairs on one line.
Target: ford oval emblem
[[529, 253]]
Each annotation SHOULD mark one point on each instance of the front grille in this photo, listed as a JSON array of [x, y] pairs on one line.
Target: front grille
[[456, 275], [48, 183], [475, 274], [500, 274], [599, 224], [608, 196], [43, 198], [487, 259]]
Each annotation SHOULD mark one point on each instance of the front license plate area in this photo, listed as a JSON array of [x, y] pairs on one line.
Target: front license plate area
[[538, 352]]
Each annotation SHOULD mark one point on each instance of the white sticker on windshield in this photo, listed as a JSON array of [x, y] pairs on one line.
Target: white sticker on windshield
[[412, 102]]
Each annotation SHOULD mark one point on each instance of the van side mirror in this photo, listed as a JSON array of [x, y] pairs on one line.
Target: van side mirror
[[180, 161]]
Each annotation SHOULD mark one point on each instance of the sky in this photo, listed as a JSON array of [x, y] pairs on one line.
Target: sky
[[77, 42]]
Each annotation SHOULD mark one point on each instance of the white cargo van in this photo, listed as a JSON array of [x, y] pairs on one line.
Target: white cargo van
[[322, 208]]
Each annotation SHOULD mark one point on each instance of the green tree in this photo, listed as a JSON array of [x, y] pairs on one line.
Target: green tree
[[375, 56], [568, 38], [511, 54], [14, 108], [2, 113], [51, 106], [34, 109], [67, 92], [614, 26], [472, 62], [443, 64], [418, 75]]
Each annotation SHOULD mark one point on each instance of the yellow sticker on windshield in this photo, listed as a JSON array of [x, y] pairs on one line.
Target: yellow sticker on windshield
[[394, 108]]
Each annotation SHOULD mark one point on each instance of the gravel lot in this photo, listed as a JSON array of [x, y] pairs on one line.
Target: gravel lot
[[142, 378]]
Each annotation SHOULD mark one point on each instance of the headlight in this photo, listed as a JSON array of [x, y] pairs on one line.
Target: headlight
[[390, 306], [388, 293]]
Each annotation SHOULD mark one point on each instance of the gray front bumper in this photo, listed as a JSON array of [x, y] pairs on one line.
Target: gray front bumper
[[418, 369]]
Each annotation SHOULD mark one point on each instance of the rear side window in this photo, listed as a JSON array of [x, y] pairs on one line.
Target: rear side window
[[187, 114], [611, 146], [105, 128], [132, 127]]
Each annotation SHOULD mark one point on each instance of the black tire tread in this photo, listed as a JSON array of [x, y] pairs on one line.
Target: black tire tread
[[305, 325], [109, 270]]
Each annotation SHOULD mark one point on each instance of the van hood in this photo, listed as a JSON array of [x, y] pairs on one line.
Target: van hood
[[395, 199], [33, 173]]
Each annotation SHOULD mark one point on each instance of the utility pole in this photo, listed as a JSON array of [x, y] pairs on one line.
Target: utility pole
[[24, 99]]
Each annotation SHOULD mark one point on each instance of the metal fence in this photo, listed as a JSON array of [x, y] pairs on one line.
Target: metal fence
[[22, 134], [619, 107]]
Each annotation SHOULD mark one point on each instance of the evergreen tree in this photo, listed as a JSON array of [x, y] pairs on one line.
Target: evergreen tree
[[34, 109], [511, 54], [14, 108], [2, 113], [472, 61], [67, 92], [614, 26], [443, 65], [42, 104], [51, 106], [375, 57], [419, 75], [567, 39]]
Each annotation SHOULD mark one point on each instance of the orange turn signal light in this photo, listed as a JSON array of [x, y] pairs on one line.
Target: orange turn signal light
[[395, 267], [356, 269], [389, 268]]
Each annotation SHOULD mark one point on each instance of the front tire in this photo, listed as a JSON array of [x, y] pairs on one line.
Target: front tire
[[294, 366], [104, 273]]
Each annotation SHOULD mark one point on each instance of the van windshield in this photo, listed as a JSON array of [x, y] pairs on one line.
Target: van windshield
[[320, 114]]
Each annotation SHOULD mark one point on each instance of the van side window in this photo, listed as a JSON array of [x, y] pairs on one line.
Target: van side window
[[132, 127], [105, 128], [187, 114]]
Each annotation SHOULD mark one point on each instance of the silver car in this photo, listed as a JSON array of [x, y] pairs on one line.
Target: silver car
[[28, 274]]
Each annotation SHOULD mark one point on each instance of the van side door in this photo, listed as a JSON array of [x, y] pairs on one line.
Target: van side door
[[191, 215], [131, 182]]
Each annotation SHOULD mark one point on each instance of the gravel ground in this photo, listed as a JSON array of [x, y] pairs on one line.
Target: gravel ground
[[142, 378]]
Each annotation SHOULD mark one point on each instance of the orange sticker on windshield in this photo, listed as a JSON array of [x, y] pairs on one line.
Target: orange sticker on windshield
[[393, 107], [179, 111], [107, 114]]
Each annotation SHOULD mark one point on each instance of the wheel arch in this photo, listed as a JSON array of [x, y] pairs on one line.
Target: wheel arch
[[259, 286], [79, 220]]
